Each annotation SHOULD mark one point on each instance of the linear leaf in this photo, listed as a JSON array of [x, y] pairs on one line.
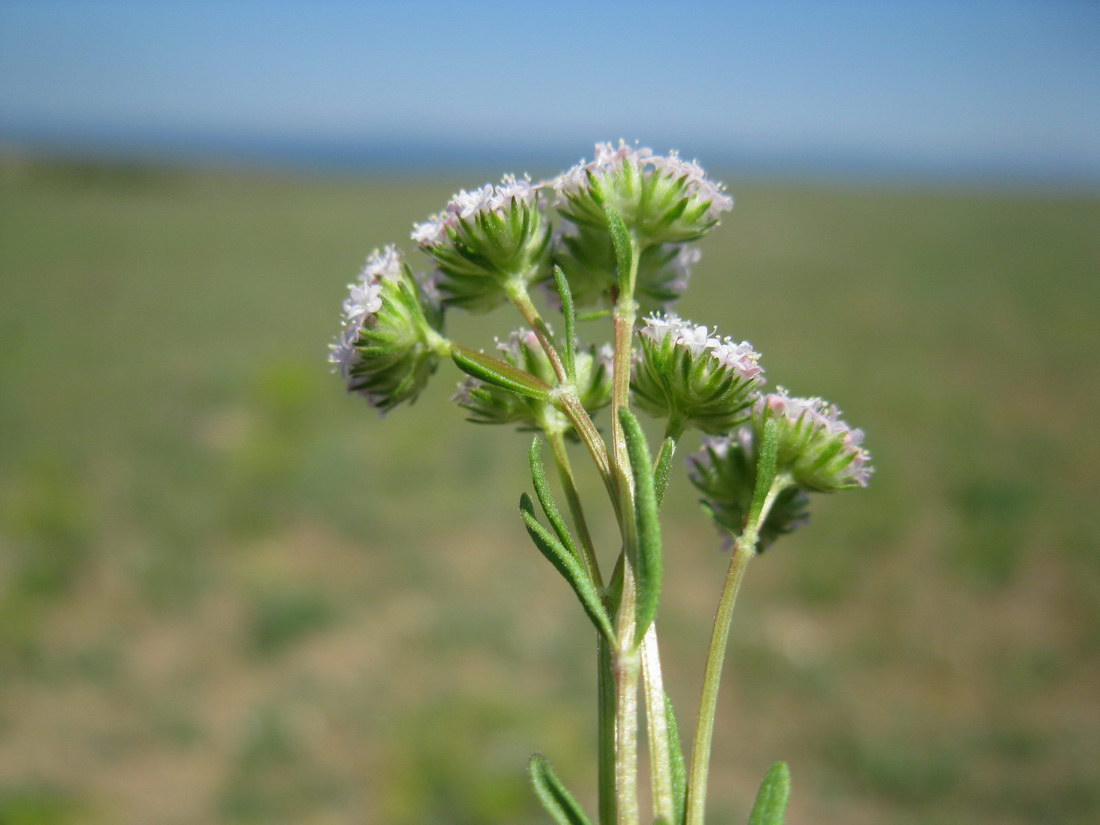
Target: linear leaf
[[647, 556], [554, 796], [569, 566], [663, 468], [502, 374], [770, 807], [546, 498], [624, 249], [765, 468], [570, 314]]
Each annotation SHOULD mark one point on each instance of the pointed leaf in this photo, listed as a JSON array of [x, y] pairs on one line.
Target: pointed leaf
[[663, 468], [770, 807], [765, 469], [546, 499], [624, 248], [569, 566], [570, 314], [502, 374], [647, 554], [558, 802]]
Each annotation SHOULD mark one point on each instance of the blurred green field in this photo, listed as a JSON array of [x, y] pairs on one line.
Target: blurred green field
[[229, 593]]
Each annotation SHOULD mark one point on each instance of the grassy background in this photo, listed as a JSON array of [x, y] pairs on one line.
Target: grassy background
[[229, 593]]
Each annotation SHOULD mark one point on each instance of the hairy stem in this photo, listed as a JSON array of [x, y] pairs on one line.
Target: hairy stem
[[656, 714], [576, 509], [626, 708]]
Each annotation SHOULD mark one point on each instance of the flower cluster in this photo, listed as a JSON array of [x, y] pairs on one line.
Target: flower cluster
[[724, 471], [390, 339], [694, 378], [490, 404], [485, 242], [662, 198], [819, 450]]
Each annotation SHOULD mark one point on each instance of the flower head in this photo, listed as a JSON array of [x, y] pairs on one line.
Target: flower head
[[389, 341], [724, 471], [484, 238], [688, 374], [662, 198], [820, 451]]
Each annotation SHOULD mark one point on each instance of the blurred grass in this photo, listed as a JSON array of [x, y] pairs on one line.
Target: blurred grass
[[230, 593]]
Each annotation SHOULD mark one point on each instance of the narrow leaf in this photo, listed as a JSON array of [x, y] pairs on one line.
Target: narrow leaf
[[624, 249], [765, 469], [570, 314], [663, 468], [676, 759], [502, 374], [546, 499], [770, 807], [554, 796], [596, 315], [569, 566], [647, 555]]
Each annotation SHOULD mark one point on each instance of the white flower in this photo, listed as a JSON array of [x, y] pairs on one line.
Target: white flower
[[467, 205]]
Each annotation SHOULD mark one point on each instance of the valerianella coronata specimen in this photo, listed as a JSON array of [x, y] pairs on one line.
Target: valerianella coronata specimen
[[693, 378], [490, 404], [819, 450], [486, 242], [724, 471], [661, 198], [390, 341]]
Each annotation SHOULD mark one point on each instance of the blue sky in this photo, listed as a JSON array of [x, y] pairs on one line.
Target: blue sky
[[1004, 82]]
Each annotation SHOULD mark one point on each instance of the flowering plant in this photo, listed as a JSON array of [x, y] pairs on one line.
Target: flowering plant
[[628, 220]]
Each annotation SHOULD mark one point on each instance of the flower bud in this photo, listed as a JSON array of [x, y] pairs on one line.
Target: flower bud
[[390, 341], [686, 374], [819, 450], [490, 404], [661, 199], [588, 259], [724, 471], [484, 240]]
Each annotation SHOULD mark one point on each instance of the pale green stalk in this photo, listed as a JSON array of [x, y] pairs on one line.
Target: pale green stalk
[[656, 714], [744, 548]]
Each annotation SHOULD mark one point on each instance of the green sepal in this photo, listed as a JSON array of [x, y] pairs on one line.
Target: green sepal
[[646, 560], [546, 498], [765, 471], [624, 248], [662, 468], [553, 795], [570, 315], [500, 373], [569, 566], [678, 767], [770, 807]]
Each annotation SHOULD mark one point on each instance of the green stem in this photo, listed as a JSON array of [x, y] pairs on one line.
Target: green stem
[[605, 733], [744, 548], [626, 708], [656, 714]]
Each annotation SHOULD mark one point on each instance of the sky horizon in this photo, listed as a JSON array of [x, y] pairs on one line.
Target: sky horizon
[[922, 83]]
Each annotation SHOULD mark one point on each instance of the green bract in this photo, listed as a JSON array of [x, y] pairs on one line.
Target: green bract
[[692, 378], [724, 471], [485, 243], [491, 404], [819, 450], [391, 340], [661, 199]]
